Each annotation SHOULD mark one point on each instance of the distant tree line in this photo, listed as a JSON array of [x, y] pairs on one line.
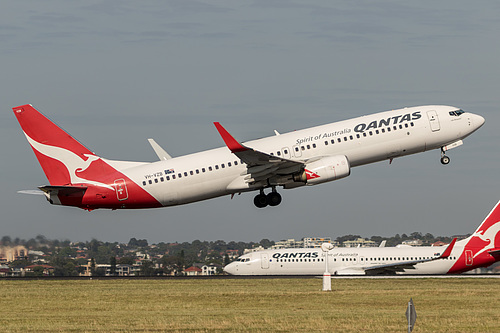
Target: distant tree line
[[426, 239], [170, 257], [156, 259]]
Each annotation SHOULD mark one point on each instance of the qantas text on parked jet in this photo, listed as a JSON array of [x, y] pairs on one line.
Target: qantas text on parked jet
[[311, 156], [481, 249]]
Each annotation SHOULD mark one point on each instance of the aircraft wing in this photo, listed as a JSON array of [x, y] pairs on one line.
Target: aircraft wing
[[260, 165], [402, 265]]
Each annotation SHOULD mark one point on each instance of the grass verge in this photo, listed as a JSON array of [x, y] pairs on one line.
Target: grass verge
[[254, 305]]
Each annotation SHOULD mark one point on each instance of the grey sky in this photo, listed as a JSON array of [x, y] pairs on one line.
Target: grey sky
[[114, 73]]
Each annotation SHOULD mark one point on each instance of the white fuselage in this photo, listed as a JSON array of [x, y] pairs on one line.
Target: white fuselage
[[362, 140], [342, 261]]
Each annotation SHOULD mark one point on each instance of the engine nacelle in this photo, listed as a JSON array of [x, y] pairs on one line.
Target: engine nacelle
[[327, 169]]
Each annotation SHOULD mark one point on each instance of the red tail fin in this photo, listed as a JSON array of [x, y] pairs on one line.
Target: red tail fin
[[59, 154], [477, 247]]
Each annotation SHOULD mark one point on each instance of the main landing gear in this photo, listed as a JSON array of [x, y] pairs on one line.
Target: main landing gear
[[444, 159], [262, 200]]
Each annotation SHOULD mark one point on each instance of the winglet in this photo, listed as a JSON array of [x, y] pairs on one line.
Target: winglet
[[447, 252], [230, 142]]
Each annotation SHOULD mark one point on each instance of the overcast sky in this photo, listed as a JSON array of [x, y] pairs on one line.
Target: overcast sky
[[114, 73]]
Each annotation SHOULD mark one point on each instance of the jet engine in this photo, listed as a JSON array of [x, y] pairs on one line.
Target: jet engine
[[327, 169]]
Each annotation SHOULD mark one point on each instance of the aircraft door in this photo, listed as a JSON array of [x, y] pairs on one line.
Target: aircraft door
[[121, 189], [264, 261], [433, 121], [468, 257], [286, 152]]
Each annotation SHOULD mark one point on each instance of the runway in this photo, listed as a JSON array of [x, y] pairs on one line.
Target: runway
[[447, 276], [263, 277]]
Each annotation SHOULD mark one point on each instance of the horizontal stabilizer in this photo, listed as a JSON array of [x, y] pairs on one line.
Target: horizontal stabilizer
[[64, 195], [63, 190], [495, 253], [162, 154], [35, 192]]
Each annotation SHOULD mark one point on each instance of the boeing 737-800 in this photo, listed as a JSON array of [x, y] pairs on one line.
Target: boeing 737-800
[[481, 249], [315, 155]]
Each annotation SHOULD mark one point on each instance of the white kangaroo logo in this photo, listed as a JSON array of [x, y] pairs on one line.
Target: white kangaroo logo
[[487, 235], [71, 161]]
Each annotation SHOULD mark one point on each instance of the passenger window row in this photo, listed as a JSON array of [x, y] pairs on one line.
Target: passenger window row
[[394, 258], [298, 260], [285, 152], [278, 153], [370, 133], [362, 259], [349, 138], [172, 176]]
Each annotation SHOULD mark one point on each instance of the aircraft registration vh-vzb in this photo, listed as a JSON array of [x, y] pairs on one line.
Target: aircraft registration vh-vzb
[[311, 156]]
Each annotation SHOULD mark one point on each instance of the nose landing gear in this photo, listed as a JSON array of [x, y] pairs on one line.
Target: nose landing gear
[[262, 200], [444, 159]]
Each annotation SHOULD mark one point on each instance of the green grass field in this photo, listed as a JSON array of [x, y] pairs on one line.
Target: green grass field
[[254, 305]]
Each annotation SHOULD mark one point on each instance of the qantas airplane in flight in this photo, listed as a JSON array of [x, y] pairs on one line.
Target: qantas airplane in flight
[[315, 155], [481, 249]]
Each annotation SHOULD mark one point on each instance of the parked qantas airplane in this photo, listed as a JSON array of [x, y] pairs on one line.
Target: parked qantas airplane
[[316, 155], [479, 250]]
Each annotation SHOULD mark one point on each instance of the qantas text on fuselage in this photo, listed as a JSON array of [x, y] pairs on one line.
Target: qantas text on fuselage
[[311, 156]]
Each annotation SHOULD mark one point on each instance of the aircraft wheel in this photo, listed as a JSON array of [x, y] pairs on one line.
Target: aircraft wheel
[[445, 160], [273, 199], [260, 200]]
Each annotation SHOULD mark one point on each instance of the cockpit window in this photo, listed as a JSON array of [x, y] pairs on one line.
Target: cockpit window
[[456, 113], [243, 259]]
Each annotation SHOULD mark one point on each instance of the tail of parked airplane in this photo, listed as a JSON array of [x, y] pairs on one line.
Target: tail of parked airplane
[[482, 248], [76, 175]]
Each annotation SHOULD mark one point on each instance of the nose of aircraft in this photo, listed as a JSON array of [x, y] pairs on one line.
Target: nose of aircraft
[[230, 268], [477, 120]]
